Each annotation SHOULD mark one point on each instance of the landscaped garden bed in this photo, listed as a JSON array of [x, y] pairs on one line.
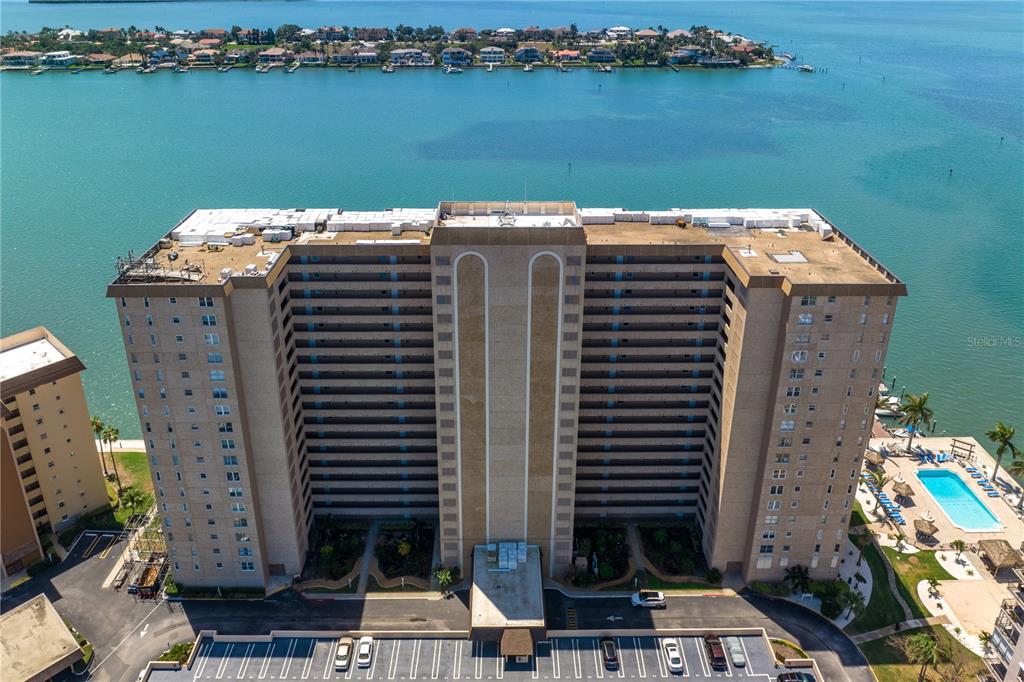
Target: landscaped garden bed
[[334, 548], [673, 549], [609, 542], [405, 548]]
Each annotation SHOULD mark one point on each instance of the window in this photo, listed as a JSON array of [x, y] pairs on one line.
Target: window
[[822, 355], [862, 319], [216, 375], [214, 358], [233, 476], [785, 442], [782, 458], [808, 301], [768, 535], [205, 302], [238, 508], [222, 410], [831, 299], [799, 356], [767, 549], [225, 427], [209, 320], [828, 319], [211, 339], [241, 523], [245, 551], [234, 492], [885, 318], [803, 338], [776, 489], [220, 393], [789, 408], [227, 444], [241, 537], [771, 520], [774, 505], [796, 374], [805, 318], [230, 460], [175, 319], [248, 566], [792, 391], [778, 474], [787, 425]]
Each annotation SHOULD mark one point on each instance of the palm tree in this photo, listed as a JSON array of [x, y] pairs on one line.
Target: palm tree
[[853, 602], [915, 414], [879, 477], [134, 499], [862, 540], [798, 578], [1002, 435], [923, 649], [111, 436], [97, 429], [1016, 469], [933, 586], [959, 546]]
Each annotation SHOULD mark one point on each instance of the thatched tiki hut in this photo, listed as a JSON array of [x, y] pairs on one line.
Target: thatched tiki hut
[[999, 554]]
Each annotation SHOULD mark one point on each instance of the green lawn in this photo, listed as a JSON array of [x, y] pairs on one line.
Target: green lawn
[[912, 569], [889, 665], [134, 470], [858, 517], [882, 608]]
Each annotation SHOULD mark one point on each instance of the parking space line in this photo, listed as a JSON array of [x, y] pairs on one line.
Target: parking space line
[[576, 663], [598, 663], [499, 665], [704, 664], [414, 660], [622, 659], [393, 664], [373, 663], [287, 659], [88, 550], [308, 659], [328, 666], [204, 656], [245, 661], [435, 660], [641, 668], [478, 660], [106, 550], [224, 661], [746, 656], [266, 659], [457, 662]]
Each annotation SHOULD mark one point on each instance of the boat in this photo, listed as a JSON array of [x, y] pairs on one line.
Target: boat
[[291, 69], [352, 69], [76, 70], [110, 69], [528, 68], [787, 56], [603, 68], [223, 69], [490, 67], [182, 68], [387, 68], [806, 68], [35, 72], [889, 406], [882, 388], [452, 69]]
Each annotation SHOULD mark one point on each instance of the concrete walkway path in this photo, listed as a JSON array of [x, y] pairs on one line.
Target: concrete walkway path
[[636, 548], [364, 572], [123, 446], [890, 577], [904, 626]]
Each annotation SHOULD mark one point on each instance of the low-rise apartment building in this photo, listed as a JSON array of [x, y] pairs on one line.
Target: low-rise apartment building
[[504, 369]]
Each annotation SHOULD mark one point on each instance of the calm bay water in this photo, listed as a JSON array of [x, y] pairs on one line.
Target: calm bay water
[[93, 165]]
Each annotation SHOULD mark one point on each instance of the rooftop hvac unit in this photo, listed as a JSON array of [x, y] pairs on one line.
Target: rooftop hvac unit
[[225, 273], [250, 269], [165, 243]]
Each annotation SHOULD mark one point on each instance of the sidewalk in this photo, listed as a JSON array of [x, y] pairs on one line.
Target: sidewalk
[[123, 446], [904, 626]]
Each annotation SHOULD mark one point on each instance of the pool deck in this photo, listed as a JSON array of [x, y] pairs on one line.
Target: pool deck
[[905, 467]]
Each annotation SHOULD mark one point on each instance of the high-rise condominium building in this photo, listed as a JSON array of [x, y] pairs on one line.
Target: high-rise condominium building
[[506, 369], [51, 474]]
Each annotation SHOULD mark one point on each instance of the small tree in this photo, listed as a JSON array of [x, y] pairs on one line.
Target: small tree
[[959, 546], [986, 641], [134, 498], [798, 578], [661, 536], [97, 428], [921, 649], [445, 577], [933, 586], [404, 548], [713, 576]]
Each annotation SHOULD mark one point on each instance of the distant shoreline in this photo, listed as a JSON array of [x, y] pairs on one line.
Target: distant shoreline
[[103, 2]]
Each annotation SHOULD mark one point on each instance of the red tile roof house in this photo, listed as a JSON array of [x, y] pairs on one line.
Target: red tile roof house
[[464, 34], [213, 33], [21, 58], [566, 55], [210, 42], [746, 49], [100, 58], [679, 33], [204, 56], [646, 34]]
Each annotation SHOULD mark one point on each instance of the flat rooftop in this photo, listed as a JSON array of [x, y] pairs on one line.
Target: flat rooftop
[[211, 245], [507, 586], [27, 357], [34, 642]]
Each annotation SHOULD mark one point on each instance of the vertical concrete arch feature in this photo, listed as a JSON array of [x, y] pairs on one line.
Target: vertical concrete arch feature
[[471, 396], [542, 386]]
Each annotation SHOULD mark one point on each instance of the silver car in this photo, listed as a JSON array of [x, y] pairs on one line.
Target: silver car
[[364, 652]]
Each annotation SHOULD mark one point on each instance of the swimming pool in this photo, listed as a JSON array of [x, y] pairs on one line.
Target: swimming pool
[[958, 501]]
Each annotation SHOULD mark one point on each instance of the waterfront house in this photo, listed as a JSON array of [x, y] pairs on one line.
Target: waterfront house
[[312, 58], [60, 58], [21, 58], [206, 43], [566, 55], [745, 48], [464, 34], [66, 35], [410, 56], [354, 54], [505, 33], [99, 59], [253, 36], [206, 56], [559, 31], [684, 55], [529, 54], [647, 35], [213, 33], [110, 32], [331, 34], [274, 55], [600, 55], [373, 34], [619, 33], [160, 55], [531, 32], [456, 56], [679, 34], [130, 59], [717, 62], [492, 55], [184, 45]]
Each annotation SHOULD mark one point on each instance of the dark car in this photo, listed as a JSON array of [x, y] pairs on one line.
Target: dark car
[[610, 653], [795, 677], [716, 652]]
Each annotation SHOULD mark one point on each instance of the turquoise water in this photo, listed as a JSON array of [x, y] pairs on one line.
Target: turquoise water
[[93, 165], [958, 501]]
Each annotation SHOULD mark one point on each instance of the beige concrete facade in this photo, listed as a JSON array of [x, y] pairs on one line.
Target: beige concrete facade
[[505, 368], [52, 473]]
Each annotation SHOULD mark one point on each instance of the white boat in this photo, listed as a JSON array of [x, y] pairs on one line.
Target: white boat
[[603, 68], [490, 67], [528, 68], [806, 68], [452, 69], [883, 389], [387, 68], [889, 407]]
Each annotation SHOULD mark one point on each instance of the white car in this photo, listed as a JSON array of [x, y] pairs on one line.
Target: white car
[[673, 656], [739, 658], [364, 652], [343, 658], [648, 599]]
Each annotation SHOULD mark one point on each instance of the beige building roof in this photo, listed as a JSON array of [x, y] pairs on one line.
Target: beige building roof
[[35, 644]]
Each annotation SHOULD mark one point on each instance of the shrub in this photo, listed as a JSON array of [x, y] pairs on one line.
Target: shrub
[[179, 652], [773, 589], [606, 571], [713, 575]]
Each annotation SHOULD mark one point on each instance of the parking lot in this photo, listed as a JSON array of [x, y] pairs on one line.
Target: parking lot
[[453, 659]]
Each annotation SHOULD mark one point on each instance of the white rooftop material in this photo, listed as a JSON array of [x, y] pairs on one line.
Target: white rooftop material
[[599, 216], [789, 257], [513, 220], [27, 357]]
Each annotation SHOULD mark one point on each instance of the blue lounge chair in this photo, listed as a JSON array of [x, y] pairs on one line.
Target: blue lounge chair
[[976, 475], [992, 493]]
